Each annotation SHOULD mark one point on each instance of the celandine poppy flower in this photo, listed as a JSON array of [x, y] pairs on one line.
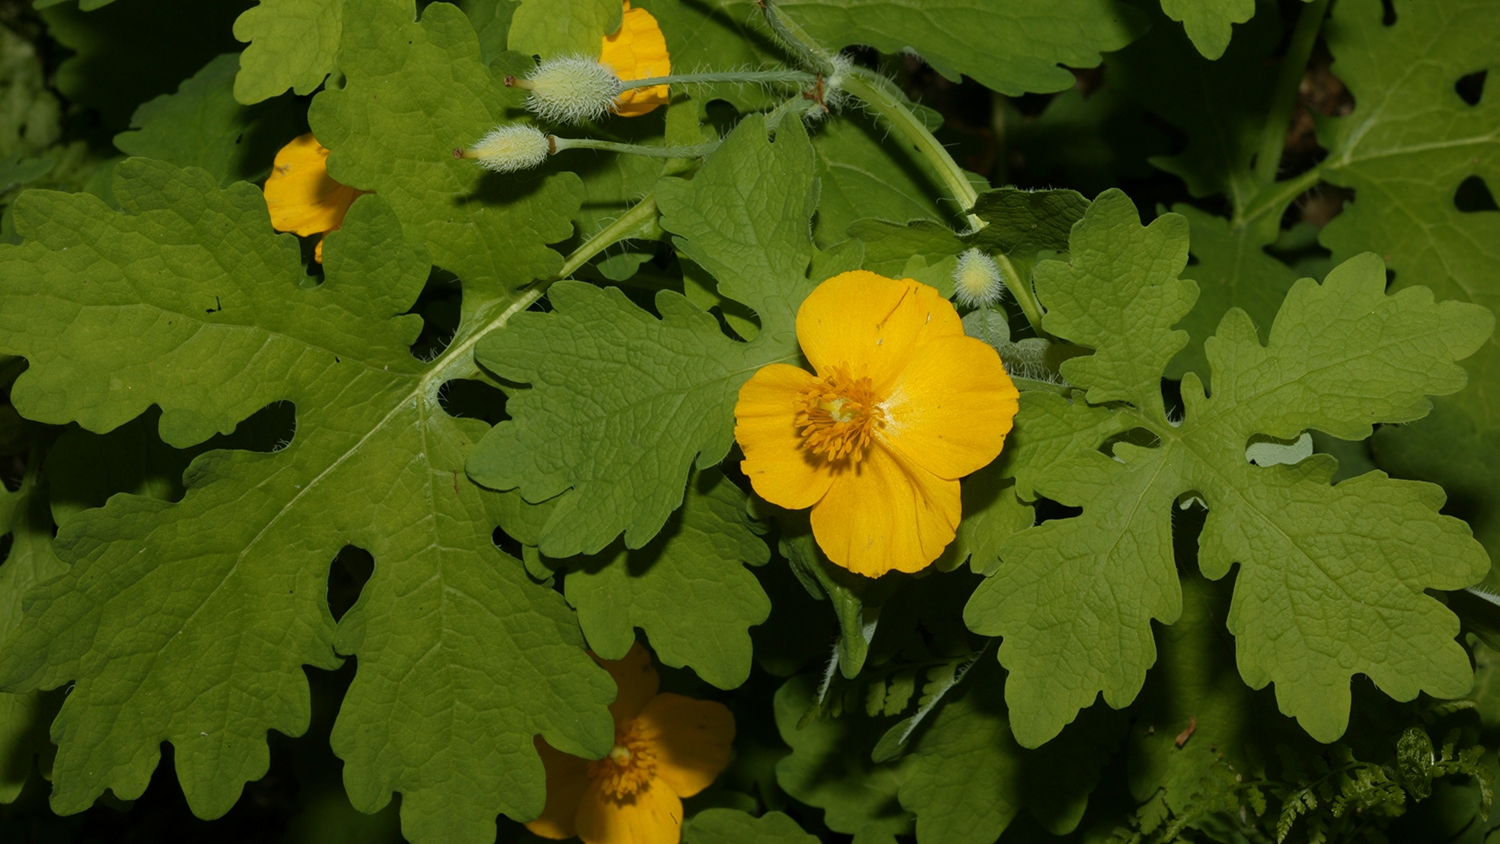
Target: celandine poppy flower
[[300, 194], [901, 407], [637, 50], [667, 747]]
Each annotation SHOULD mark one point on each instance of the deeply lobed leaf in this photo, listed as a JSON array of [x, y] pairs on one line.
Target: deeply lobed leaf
[[1343, 568]]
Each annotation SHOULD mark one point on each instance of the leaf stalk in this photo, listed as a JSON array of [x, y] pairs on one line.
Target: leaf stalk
[[1284, 95]]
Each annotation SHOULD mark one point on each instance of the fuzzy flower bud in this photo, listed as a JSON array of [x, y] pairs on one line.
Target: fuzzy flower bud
[[572, 89], [510, 148], [977, 282]]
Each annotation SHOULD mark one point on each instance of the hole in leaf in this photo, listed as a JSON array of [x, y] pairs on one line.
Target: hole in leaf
[[1473, 196], [347, 576], [439, 307], [13, 470], [1262, 450], [1171, 396], [507, 543], [1471, 88], [1135, 436], [6, 542], [472, 399], [1047, 510], [1389, 17], [271, 428]]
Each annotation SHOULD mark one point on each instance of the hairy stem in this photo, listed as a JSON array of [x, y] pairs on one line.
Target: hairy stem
[[797, 78], [694, 151], [1020, 288], [1275, 197], [457, 360], [1284, 95], [797, 40], [621, 229], [876, 92]]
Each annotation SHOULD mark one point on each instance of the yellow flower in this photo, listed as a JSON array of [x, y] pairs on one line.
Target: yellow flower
[[901, 407], [638, 51], [301, 196], [667, 747]]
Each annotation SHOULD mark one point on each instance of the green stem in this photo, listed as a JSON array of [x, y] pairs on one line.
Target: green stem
[[796, 105], [1020, 288], [1284, 96], [621, 229], [797, 40], [1276, 196], [876, 92], [458, 361], [695, 151], [755, 77]]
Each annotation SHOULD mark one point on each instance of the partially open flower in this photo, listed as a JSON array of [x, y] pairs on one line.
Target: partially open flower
[[667, 747], [301, 196], [902, 405]]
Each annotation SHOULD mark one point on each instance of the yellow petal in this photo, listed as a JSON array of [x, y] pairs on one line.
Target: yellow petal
[[871, 324], [781, 471], [638, 51], [652, 815], [951, 408], [567, 780], [636, 679], [692, 740], [885, 514], [300, 195]]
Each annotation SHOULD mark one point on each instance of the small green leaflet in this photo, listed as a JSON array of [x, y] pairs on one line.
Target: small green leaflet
[[202, 125], [293, 44], [1208, 22], [393, 128], [622, 403], [1012, 46], [687, 588], [1342, 356], [191, 622]]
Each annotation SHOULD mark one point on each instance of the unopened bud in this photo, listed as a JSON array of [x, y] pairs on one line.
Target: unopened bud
[[509, 148], [572, 89], [977, 282]]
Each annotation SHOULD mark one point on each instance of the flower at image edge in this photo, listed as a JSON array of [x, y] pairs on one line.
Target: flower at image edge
[[638, 50], [301, 196], [901, 407], [667, 747]]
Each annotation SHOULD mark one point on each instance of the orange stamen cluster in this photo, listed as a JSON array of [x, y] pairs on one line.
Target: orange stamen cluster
[[838, 414], [628, 768]]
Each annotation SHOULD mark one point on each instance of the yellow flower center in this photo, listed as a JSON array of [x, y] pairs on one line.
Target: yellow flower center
[[628, 768], [838, 414]]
